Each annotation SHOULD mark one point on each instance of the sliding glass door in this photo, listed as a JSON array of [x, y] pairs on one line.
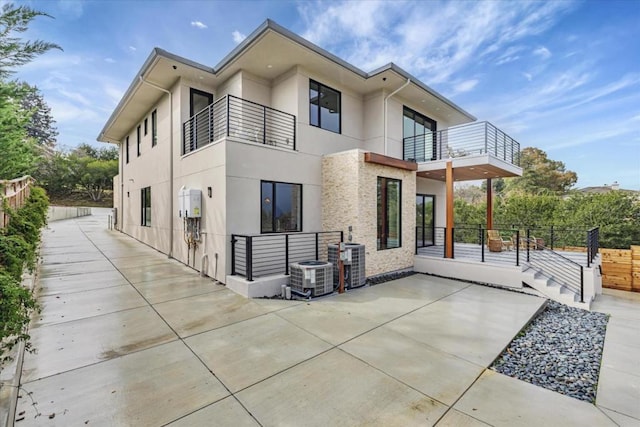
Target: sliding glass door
[[425, 214]]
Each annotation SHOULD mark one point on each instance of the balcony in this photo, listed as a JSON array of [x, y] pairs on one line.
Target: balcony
[[242, 120], [461, 141]]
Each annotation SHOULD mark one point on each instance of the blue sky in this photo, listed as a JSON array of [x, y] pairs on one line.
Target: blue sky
[[563, 76]]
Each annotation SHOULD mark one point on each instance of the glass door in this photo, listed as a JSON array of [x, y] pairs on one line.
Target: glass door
[[425, 214]]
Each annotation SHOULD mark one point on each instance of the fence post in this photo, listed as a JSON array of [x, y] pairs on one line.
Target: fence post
[[233, 254], [517, 248], [249, 258], [286, 254]]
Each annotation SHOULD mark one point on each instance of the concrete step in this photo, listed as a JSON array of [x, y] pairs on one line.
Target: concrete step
[[552, 288]]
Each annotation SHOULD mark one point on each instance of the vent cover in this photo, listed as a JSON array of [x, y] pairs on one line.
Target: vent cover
[[354, 271], [314, 275]]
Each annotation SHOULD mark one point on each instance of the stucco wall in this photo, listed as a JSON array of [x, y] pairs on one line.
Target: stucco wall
[[349, 197]]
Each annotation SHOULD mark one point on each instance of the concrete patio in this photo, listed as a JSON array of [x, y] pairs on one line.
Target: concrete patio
[[129, 337]]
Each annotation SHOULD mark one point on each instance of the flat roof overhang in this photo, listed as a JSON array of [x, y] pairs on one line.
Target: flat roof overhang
[[469, 168]]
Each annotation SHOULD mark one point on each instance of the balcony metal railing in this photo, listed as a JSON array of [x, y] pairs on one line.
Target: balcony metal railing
[[235, 117], [461, 141], [268, 254]]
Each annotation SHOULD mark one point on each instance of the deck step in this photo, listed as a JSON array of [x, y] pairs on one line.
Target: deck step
[[552, 288]]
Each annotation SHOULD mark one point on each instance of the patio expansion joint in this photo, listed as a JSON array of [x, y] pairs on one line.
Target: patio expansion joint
[[600, 407], [181, 339]]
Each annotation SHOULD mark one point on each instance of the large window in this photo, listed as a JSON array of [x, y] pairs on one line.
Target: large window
[[126, 153], [145, 203], [425, 214], [199, 100], [281, 207], [154, 128], [389, 213], [324, 107], [419, 136]]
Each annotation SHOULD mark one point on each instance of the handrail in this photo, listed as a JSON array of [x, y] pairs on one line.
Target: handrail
[[256, 255], [544, 258], [461, 141], [247, 121]]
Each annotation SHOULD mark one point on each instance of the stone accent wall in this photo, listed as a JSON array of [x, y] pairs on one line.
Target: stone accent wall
[[349, 197]]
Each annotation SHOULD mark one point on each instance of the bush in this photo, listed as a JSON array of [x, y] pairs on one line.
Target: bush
[[18, 248]]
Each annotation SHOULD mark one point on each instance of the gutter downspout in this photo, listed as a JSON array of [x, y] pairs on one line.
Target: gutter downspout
[[121, 174], [142, 80], [386, 98]]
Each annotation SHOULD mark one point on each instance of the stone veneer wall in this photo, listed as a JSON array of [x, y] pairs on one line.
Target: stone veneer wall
[[349, 197]]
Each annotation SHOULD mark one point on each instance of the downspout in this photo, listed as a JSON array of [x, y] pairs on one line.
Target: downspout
[[121, 172], [386, 98], [170, 254]]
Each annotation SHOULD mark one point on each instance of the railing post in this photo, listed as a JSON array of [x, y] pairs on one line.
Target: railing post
[[552, 237], [517, 248], [249, 258], [264, 125], [294, 133], [453, 243], [589, 249], [416, 245], [228, 113], [317, 246], [581, 284], [233, 254], [286, 254], [528, 243], [482, 244]]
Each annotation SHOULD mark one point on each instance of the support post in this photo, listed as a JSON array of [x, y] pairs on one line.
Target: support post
[[489, 205], [449, 228], [286, 254]]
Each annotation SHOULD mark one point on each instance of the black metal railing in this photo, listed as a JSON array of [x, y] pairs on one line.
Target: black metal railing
[[268, 254], [593, 244], [239, 118], [559, 268], [461, 141]]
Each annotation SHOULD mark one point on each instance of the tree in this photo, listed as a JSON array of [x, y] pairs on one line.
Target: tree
[[13, 50], [55, 174], [541, 174], [19, 154], [94, 169], [527, 210], [41, 125]]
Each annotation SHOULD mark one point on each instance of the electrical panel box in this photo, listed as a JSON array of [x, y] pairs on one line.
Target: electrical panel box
[[190, 202]]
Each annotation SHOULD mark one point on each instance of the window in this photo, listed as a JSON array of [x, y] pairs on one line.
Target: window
[[145, 203], [199, 100], [154, 128], [138, 140], [419, 136], [324, 107], [389, 213], [127, 150], [146, 122], [281, 207]]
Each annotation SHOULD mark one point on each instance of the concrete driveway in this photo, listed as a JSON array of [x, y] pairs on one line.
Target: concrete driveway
[[129, 337]]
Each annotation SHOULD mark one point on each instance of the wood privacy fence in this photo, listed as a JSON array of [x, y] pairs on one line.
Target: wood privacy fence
[[15, 193], [621, 268]]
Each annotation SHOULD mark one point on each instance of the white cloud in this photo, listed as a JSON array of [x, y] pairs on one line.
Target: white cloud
[[465, 86], [110, 60], [238, 37], [527, 76], [542, 52], [198, 24], [132, 48]]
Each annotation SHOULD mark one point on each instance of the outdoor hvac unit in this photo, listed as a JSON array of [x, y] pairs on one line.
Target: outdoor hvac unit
[[353, 267], [314, 275]]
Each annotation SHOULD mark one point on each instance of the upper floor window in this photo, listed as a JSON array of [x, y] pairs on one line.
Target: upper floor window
[[419, 136], [281, 204], [198, 101], [138, 139], [154, 128], [324, 107], [146, 123], [126, 153]]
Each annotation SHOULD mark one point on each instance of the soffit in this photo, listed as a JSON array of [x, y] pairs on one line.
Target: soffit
[[469, 169]]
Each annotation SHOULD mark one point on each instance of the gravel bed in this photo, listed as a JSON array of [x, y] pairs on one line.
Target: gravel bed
[[560, 350], [387, 277]]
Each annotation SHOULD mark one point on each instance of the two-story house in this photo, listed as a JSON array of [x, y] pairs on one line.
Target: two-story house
[[283, 139]]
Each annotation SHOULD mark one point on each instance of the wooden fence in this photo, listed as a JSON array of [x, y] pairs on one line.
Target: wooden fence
[[15, 193], [621, 268]]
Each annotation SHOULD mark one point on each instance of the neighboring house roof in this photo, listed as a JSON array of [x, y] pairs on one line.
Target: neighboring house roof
[[606, 189], [269, 26]]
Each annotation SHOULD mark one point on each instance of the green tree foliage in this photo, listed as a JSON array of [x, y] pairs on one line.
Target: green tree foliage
[[94, 176], [19, 154], [41, 125], [13, 50], [541, 174], [528, 210], [18, 245]]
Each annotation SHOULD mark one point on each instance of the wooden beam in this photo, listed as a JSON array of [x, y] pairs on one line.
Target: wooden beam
[[449, 229], [379, 159], [489, 205]]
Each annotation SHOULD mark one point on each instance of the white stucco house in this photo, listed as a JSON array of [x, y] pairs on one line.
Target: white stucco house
[[285, 142]]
